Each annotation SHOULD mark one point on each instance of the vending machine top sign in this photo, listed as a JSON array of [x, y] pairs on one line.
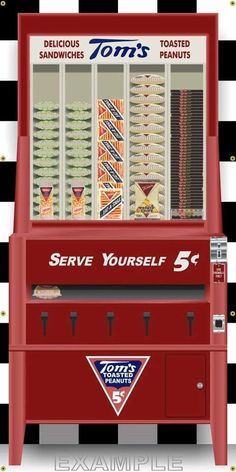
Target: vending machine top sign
[[121, 126]]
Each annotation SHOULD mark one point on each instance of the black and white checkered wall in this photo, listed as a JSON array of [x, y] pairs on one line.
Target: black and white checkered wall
[[112, 434]]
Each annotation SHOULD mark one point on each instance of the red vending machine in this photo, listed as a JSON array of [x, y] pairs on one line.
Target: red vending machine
[[118, 261]]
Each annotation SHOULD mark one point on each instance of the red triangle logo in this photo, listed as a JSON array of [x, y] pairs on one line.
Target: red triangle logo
[[146, 187], [118, 376], [101, 109]]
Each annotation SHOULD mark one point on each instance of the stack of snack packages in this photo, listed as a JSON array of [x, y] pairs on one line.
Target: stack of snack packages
[[147, 149], [78, 161], [110, 159], [46, 160], [186, 153]]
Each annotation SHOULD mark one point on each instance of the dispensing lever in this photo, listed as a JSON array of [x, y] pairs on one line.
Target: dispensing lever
[[146, 317], [44, 318], [110, 318], [190, 318], [73, 318]]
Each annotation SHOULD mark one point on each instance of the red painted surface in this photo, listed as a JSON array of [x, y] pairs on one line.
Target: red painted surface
[[168, 323], [50, 378], [81, 396]]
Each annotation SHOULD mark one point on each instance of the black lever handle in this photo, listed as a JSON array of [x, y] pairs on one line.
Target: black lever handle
[[44, 318], [190, 318], [146, 317], [73, 318], [110, 318]]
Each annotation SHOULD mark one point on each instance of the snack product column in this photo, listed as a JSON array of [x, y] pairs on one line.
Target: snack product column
[[45, 143], [110, 143], [147, 160], [78, 144]]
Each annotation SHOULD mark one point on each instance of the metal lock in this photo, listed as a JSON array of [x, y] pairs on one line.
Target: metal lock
[[200, 385]]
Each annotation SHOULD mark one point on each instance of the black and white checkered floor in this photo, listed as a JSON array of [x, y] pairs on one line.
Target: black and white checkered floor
[[112, 434]]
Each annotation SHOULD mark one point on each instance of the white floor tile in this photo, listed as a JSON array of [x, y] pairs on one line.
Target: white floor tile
[[4, 393], [227, 100], [231, 344], [227, 15], [6, 218], [4, 305], [8, 55], [138, 6], [228, 179], [58, 6], [204, 434], [232, 424], [232, 263], [8, 139]]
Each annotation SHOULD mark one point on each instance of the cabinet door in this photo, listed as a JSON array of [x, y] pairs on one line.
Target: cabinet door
[[185, 385]]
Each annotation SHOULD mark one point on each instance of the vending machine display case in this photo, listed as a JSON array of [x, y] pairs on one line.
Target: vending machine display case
[[118, 260]]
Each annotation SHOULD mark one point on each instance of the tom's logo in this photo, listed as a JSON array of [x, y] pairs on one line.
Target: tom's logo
[[115, 47], [118, 376]]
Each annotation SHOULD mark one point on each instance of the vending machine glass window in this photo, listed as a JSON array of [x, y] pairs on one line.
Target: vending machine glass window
[[118, 141]]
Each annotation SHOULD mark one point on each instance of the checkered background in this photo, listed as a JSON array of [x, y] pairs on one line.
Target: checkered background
[[113, 434]]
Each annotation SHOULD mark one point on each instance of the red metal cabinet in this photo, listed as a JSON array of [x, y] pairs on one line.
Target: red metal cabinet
[[186, 385]]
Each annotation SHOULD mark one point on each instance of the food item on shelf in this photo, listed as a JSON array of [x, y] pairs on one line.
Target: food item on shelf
[[47, 292], [79, 115], [77, 200], [76, 124], [146, 99], [40, 181], [47, 124], [148, 79], [78, 106], [46, 134], [46, 144], [46, 172], [46, 203], [45, 162], [147, 109], [46, 153], [78, 144], [110, 204], [110, 172], [78, 134], [147, 167], [110, 151], [146, 119], [147, 148], [111, 109], [151, 157], [46, 106], [46, 115], [79, 162], [110, 130], [146, 200], [148, 89], [79, 153], [147, 138], [147, 177], [78, 171], [147, 128]]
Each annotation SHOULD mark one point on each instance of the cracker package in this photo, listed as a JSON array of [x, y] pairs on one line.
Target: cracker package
[[110, 109], [147, 200], [110, 130], [110, 151], [77, 200], [110, 172], [110, 204], [46, 201]]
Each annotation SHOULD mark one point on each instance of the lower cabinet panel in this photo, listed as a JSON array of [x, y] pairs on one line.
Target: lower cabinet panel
[[62, 385]]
